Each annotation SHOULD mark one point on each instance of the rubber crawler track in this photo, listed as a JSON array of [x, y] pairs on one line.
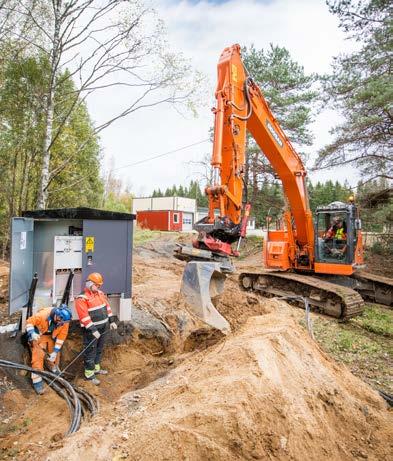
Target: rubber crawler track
[[380, 288], [328, 298]]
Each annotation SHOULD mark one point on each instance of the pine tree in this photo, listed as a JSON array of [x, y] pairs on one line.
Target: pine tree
[[361, 87], [291, 97]]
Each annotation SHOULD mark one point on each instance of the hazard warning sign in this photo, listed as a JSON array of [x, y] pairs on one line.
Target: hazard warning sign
[[89, 247]]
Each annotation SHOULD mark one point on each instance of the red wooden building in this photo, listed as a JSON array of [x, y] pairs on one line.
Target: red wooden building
[[165, 213], [166, 220]]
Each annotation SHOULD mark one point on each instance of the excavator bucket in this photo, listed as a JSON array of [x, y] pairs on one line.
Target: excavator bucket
[[203, 282]]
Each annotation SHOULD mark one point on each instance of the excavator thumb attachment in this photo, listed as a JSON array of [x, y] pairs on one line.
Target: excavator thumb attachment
[[203, 281]]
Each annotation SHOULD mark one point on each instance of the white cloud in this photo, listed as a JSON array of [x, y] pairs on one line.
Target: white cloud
[[201, 30]]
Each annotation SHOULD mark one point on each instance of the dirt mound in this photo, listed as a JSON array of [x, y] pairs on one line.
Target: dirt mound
[[266, 392], [237, 305]]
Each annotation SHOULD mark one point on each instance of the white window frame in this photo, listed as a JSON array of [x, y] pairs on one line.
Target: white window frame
[[175, 218]]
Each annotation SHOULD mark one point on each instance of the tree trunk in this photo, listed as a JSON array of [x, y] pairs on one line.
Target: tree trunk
[[254, 173], [46, 150]]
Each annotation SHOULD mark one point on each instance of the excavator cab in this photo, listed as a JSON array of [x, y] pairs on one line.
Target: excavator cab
[[337, 238]]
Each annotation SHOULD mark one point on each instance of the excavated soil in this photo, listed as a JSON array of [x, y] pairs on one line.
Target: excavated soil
[[266, 391]]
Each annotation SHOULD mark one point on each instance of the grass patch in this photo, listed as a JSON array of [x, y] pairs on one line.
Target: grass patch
[[6, 429], [344, 342], [364, 344], [376, 320], [142, 236]]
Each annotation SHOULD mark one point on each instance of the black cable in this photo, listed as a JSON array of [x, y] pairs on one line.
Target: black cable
[[78, 400], [249, 105], [388, 397]]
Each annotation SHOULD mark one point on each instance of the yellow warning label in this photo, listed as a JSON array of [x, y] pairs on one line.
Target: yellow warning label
[[234, 73], [89, 244]]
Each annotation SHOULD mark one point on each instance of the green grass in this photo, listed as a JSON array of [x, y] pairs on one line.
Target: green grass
[[142, 236], [376, 320], [364, 344], [344, 341]]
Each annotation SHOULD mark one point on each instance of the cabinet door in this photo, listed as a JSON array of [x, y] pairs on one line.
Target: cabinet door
[[21, 272], [107, 249]]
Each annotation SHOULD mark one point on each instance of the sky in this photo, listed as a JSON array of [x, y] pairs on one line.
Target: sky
[[201, 30]]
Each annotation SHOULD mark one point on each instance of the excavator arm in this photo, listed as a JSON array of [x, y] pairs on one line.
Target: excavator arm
[[241, 108]]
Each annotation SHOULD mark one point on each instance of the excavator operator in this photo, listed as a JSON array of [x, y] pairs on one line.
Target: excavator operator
[[335, 238]]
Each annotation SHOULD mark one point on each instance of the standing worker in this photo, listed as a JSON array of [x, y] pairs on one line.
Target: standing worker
[[46, 332], [94, 314]]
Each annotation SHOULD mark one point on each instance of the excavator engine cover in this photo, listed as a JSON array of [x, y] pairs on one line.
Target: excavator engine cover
[[203, 282]]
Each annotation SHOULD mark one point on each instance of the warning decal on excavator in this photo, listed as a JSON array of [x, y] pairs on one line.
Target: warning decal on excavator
[[89, 244], [234, 73], [274, 133]]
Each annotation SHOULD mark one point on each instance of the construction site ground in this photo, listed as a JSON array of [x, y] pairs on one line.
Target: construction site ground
[[180, 391]]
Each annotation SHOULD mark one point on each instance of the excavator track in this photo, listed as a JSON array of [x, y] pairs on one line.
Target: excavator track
[[376, 288], [328, 298]]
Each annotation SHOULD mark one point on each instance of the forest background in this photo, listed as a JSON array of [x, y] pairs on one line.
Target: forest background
[[50, 154]]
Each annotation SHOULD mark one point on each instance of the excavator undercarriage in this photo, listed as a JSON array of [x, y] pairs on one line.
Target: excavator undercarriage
[[335, 296], [328, 298]]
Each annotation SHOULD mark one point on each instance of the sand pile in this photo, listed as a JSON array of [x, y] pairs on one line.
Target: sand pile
[[265, 392]]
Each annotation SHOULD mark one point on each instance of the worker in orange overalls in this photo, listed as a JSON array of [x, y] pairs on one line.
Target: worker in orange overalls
[[94, 314], [46, 332]]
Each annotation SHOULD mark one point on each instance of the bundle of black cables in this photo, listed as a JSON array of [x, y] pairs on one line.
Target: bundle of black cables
[[78, 400]]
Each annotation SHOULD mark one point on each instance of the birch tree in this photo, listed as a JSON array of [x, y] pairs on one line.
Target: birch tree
[[103, 45], [23, 82]]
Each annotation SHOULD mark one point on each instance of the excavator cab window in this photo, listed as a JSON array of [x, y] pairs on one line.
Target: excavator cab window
[[334, 236]]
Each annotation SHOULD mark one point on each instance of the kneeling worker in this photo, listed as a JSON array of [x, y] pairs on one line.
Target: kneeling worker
[[46, 332], [94, 314]]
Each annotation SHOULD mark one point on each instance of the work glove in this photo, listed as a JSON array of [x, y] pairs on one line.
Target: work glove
[[56, 370], [34, 336], [52, 357], [96, 334], [113, 326]]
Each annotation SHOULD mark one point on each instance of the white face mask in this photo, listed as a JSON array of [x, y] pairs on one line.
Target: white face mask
[[91, 286]]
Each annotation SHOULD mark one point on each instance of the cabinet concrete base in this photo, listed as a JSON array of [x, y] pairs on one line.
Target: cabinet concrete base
[[125, 309]]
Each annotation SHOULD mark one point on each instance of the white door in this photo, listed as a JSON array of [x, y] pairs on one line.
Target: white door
[[187, 222]]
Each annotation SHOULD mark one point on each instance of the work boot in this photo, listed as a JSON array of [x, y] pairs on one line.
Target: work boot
[[90, 376], [99, 371], [94, 381], [39, 387]]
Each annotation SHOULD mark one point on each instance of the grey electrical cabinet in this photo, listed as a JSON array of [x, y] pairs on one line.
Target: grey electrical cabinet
[[53, 242]]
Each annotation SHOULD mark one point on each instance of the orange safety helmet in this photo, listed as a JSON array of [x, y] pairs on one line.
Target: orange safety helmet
[[96, 278]]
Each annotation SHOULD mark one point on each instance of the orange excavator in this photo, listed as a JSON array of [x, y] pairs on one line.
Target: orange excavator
[[304, 258]]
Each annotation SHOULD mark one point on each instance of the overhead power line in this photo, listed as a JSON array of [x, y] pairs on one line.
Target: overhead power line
[[161, 155], [137, 163]]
